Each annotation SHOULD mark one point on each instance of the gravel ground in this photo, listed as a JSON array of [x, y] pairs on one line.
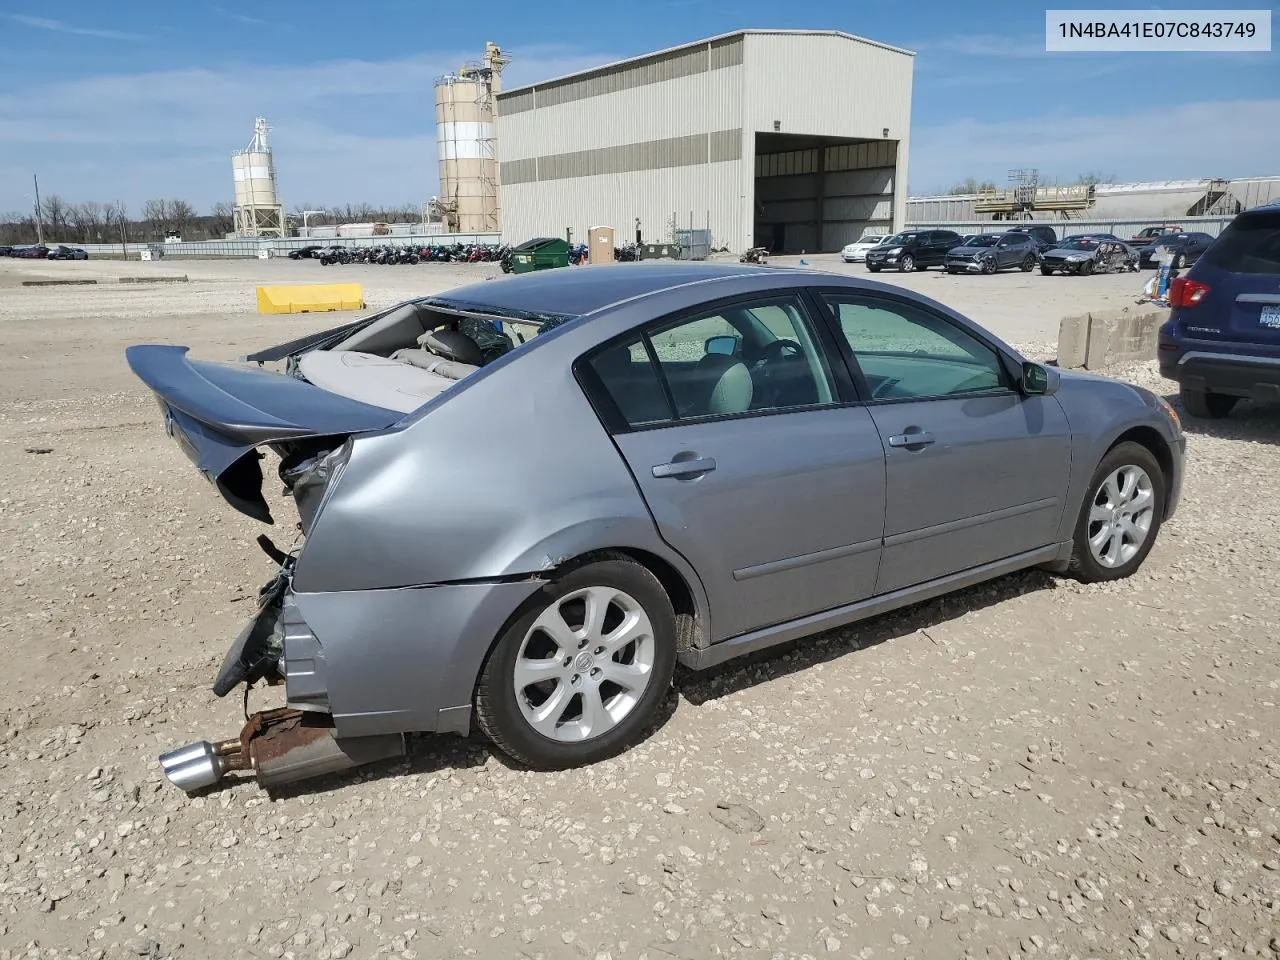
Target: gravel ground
[[1032, 767]]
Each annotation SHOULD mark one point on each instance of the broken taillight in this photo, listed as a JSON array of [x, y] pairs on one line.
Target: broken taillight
[[1184, 292]]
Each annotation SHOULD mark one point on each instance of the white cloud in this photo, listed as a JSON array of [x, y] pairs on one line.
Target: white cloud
[[58, 26], [1229, 138], [343, 131]]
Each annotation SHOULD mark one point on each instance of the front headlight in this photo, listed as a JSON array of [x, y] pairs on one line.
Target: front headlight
[[1078, 257], [1167, 408], [893, 250]]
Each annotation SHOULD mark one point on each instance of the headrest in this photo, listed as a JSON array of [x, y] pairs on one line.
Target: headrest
[[452, 345], [726, 382]]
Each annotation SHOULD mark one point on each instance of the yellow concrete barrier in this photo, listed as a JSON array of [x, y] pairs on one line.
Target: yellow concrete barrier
[[311, 298]]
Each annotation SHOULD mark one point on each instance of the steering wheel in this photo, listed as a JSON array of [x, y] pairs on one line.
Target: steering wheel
[[770, 387], [882, 388], [779, 349]]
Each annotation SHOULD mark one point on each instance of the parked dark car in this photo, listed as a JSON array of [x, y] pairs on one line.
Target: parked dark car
[[723, 420], [1046, 237], [1221, 342], [38, 252], [1088, 254], [1187, 248], [63, 252], [6, 251], [306, 253], [912, 250], [992, 252], [1147, 234]]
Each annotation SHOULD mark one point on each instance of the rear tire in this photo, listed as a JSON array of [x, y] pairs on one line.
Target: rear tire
[[1028, 264], [558, 692], [1120, 517], [1205, 404]]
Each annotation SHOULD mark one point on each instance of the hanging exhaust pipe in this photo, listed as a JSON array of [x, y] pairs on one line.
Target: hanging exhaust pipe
[[279, 746]]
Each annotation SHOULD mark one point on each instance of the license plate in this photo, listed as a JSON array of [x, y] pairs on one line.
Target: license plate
[[1270, 317]]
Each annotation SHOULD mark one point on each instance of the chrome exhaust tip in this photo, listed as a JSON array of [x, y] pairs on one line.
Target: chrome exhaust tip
[[195, 766], [281, 747]]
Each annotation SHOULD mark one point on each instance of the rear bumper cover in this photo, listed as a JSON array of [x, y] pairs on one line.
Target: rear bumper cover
[[1237, 375], [379, 661]]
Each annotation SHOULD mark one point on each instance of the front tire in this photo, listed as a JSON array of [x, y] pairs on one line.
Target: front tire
[[1206, 405], [578, 674], [1120, 517], [907, 264], [1046, 271]]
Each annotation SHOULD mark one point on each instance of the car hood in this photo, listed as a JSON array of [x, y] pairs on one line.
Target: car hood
[[969, 251], [1062, 253], [219, 413]]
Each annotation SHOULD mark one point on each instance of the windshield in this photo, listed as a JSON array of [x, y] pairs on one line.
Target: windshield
[[872, 239], [900, 238], [983, 240], [1079, 243]]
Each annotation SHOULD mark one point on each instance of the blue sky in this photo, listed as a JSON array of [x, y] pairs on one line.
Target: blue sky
[[139, 98]]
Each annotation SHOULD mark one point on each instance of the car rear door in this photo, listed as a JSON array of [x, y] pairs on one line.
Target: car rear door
[[1242, 271], [750, 457], [976, 471]]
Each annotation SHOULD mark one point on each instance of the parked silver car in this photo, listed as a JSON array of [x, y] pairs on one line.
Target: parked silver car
[[524, 501]]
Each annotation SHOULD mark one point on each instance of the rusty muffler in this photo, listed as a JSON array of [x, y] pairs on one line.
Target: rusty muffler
[[279, 746]]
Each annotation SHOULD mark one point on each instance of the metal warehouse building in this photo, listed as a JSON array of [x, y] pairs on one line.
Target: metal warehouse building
[[793, 140]]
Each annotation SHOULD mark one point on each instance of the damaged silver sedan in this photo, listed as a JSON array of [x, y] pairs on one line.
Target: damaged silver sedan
[[521, 503]]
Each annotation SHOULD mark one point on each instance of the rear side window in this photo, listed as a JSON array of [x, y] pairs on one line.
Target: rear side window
[[1250, 244]]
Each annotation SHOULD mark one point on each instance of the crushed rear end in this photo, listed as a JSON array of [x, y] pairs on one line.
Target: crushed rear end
[[220, 415]]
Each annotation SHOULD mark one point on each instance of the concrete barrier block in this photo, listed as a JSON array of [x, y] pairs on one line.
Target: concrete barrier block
[[311, 298], [1121, 336], [1073, 341]]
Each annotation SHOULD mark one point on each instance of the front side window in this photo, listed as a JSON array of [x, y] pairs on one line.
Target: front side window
[[905, 352], [747, 358]]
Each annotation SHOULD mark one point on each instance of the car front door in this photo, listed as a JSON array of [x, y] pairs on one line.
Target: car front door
[[940, 241], [736, 425], [976, 471]]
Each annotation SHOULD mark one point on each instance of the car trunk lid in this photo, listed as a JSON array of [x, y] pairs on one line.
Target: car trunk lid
[[220, 413]]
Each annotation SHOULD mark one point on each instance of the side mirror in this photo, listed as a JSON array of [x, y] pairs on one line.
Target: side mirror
[[726, 345], [1038, 380]]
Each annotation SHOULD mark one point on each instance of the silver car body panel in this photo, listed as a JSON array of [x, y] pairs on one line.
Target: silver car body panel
[[443, 524]]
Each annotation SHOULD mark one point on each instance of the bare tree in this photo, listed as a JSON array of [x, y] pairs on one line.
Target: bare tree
[[156, 214], [221, 220], [181, 215], [86, 220], [970, 185], [53, 209]]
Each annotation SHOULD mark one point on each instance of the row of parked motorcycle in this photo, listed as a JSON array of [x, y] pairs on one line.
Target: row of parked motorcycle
[[395, 254]]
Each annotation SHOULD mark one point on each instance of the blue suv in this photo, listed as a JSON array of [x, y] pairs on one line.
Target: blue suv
[[1221, 342]]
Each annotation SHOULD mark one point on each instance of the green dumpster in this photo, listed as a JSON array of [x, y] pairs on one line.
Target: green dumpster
[[540, 253]]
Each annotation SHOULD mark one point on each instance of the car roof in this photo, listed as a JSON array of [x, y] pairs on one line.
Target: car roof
[[576, 291]]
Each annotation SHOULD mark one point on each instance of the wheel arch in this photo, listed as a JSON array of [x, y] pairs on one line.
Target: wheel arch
[[691, 617], [1156, 445]]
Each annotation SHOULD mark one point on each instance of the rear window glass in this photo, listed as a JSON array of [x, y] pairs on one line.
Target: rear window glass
[[1251, 244]]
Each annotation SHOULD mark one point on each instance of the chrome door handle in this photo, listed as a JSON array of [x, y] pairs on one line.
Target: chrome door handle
[[920, 439], [685, 468]]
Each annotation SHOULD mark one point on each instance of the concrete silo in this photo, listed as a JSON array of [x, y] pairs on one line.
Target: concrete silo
[[258, 212], [467, 146]]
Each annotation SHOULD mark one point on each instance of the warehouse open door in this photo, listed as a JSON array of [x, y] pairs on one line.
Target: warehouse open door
[[816, 194]]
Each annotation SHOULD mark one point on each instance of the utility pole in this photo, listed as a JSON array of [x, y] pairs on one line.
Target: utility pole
[[39, 218], [124, 243]]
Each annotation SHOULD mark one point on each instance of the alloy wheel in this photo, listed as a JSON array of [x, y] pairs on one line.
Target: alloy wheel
[[584, 664], [1120, 516]]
